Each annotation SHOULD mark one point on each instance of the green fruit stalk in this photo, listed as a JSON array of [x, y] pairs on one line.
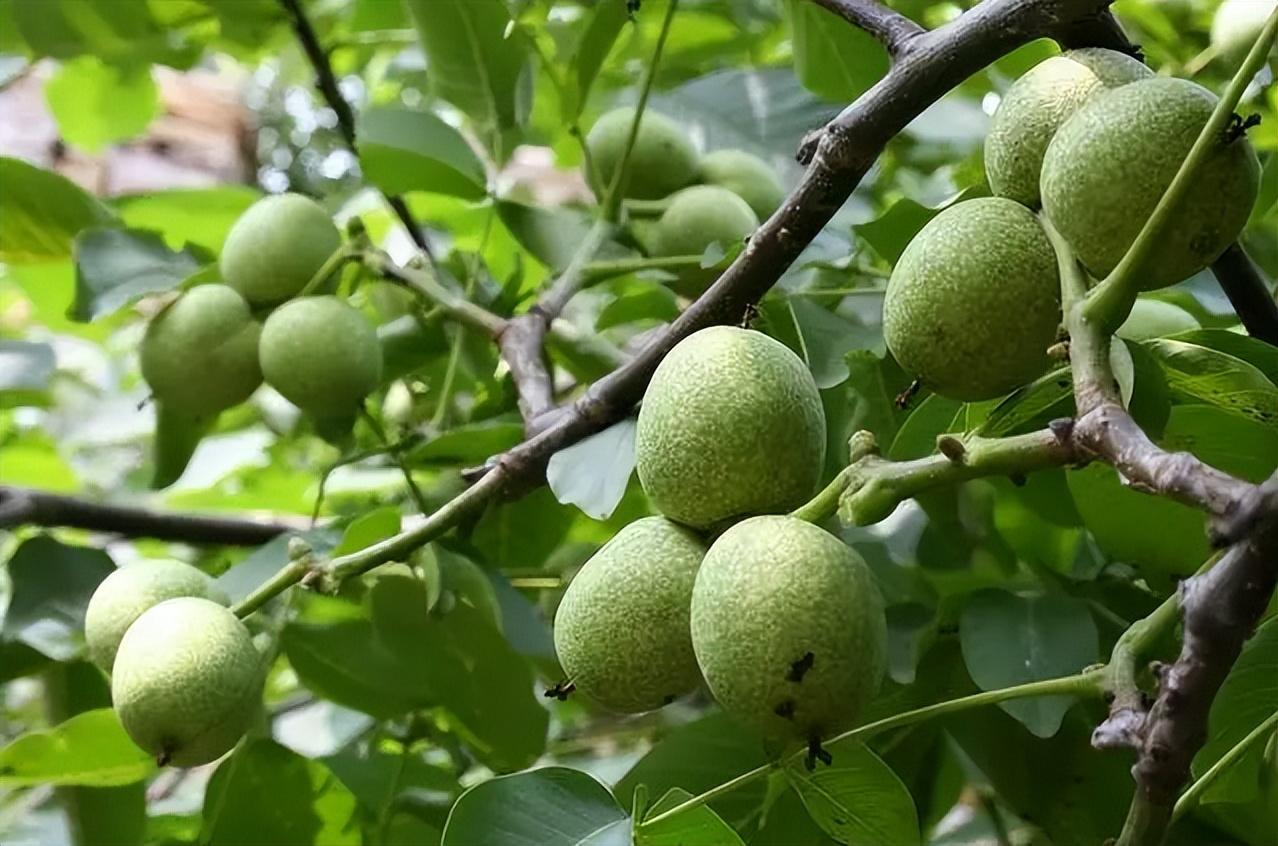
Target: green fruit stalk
[[124, 595], [322, 355], [974, 301], [747, 176], [1155, 319], [1111, 163], [621, 630], [187, 681], [731, 425], [276, 247], [1037, 105], [199, 354], [788, 628], [662, 161]]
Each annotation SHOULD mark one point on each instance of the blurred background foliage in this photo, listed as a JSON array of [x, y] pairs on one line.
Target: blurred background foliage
[[135, 131]]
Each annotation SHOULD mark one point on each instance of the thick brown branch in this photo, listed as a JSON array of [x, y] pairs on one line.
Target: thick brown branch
[[27, 506], [1098, 30], [1249, 293], [326, 83], [893, 29]]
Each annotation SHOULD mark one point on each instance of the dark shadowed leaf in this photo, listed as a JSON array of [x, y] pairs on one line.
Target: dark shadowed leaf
[[113, 267], [52, 583], [41, 213], [265, 793], [553, 806], [857, 800], [346, 663], [402, 150], [1009, 640]]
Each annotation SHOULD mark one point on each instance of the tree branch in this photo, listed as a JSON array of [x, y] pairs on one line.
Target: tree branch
[[1249, 293], [27, 506], [326, 83], [893, 29]]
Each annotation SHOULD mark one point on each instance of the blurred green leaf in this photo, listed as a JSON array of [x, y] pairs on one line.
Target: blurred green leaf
[[470, 443], [551, 235], [114, 267], [1010, 639], [402, 150], [592, 474], [123, 31], [552, 806], [88, 749], [857, 800], [367, 529], [523, 533], [640, 302], [264, 793], [604, 24], [42, 212], [832, 59], [52, 583], [200, 217], [97, 104], [25, 370]]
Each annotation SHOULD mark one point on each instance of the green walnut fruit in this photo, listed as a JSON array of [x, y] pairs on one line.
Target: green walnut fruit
[[621, 630], [276, 247], [703, 215], [662, 161], [199, 354], [124, 595], [1110, 163], [788, 628], [731, 425], [1237, 25], [747, 176], [187, 681], [974, 301], [322, 355], [1155, 319], [1037, 105]]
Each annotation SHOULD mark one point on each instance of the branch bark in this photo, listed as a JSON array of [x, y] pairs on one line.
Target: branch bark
[[326, 84], [1249, 293], [893, 29], [27, 506]]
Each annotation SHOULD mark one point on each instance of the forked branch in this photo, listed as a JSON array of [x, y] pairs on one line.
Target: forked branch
[[893, 29]]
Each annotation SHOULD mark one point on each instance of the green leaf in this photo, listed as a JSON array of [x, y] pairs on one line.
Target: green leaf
[[552, 806], [1009, 640], [114, 267], [346, 663], [265, 793], [603, 25], [917, 436], [857, 800], [592, 474], [1248, 697], [698, 826], [641, 301], [874, 382], [199, 217], [25, 370], [376, 778], [52, 583], [368, 529], [820, 337], [1200, 375], [477, 62], [124, 31], [832, 59], [891, 232], [1268, 197], [470, 443], [89, 749], [551, 235], [1048, 397], [1262, 356], [402, 150], [41, 213], [523, 533], [97, 104]]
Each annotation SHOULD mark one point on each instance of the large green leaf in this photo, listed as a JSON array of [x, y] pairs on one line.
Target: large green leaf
[[89, 749], [97, 104], [265, 793], [42, 212], [697, 826], [1248, 697], [113, 267], [52, 583], [857, 800], [592, 474], [820, 337], [470, 443], [553, 806], [1202, 375], [477, 62], [402, 150], [123, 31], [1009, 639], [832, 59], [200, 217]]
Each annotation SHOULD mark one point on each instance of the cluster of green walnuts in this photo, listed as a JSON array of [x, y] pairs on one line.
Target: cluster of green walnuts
[[211, 348], [716, 198], [1090, 140], [780, 618]]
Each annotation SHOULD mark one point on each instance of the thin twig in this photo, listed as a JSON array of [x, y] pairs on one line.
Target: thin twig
[[893, 29]]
